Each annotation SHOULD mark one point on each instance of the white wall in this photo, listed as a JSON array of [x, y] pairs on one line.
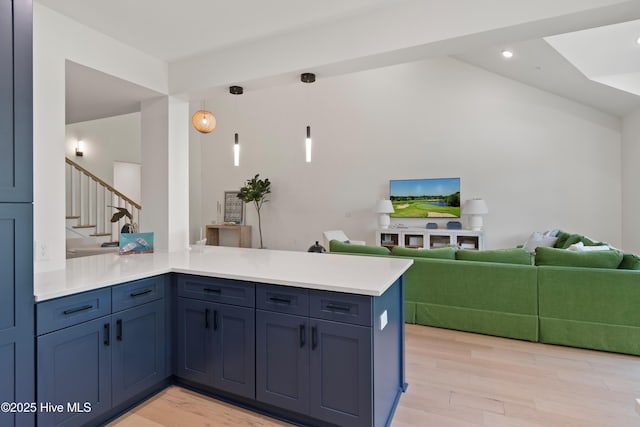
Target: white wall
[[105, 141], [127, 179], [630, 180], [56, 39], [539, 161]]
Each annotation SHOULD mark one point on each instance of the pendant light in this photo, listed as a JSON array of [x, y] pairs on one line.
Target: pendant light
[[236, 90], [203, 121], [308, 78]]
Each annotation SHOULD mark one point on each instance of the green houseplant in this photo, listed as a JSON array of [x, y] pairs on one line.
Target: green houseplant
[[255, 190]]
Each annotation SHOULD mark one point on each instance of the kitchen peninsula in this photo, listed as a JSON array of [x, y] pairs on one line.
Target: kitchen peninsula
[[311, 338]]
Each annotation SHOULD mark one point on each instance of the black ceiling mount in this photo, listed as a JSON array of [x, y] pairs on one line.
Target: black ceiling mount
[[236, 90], [307, 77]]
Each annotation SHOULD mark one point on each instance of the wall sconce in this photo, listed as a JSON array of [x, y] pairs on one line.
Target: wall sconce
[[80, 148]]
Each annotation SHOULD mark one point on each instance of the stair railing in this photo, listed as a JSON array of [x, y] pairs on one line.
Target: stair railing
[[90, 199]]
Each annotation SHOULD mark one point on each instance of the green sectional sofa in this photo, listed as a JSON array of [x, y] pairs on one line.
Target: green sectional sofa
[[559, 299]]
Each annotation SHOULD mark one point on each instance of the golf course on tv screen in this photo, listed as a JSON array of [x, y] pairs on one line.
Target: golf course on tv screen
[[425, 198]]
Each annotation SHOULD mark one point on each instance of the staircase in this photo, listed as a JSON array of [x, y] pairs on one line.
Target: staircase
[[90, 205]]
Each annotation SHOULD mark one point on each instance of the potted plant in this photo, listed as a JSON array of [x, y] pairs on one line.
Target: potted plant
[[128, 227], [255, 190]]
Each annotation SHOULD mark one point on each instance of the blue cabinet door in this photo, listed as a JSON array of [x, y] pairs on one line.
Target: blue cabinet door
[[194, 347], [216, 345], [17, 379], [282, 360], [16, 94], [74, 367], [138, 355], [340, 373], [234, 349]]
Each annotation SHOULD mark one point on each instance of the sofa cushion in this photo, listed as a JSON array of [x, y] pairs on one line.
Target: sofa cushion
[[630, 262], [338, 246], [440, 253], [505, 256], [562, 257]]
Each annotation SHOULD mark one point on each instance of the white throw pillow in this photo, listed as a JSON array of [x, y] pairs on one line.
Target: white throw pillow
[[538, 239], [580, 247]]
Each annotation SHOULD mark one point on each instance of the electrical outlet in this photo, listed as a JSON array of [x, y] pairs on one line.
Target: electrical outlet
[[42, 251], [383, 320]]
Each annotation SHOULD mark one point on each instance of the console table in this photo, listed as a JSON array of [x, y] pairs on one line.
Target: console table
[[243, 231], [429, 238]]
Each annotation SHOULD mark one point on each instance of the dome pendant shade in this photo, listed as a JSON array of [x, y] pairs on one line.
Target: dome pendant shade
[[203, 121]]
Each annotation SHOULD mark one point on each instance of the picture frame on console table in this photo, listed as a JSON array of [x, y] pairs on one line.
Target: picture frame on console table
[[233, 208]]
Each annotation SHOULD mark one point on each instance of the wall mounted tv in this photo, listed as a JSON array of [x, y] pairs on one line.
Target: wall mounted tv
[[425, 198]]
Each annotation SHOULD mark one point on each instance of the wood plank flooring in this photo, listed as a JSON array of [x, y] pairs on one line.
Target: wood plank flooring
[[459, 379]]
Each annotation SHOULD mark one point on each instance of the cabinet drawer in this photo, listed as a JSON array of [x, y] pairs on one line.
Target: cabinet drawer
[[63, 312], [282, 299], [139, 292], [226, 291], [341, 307]]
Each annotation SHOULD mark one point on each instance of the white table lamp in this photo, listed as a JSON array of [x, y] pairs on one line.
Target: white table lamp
[[384, 208], [476, 208]]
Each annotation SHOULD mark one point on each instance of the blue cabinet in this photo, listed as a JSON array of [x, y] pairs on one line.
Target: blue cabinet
[[215, 340], [138, 354], [100, 350], [282, 360], [16, 310], [16, 105], [17, 382], [74, 366], [340, 374], [308, 365]]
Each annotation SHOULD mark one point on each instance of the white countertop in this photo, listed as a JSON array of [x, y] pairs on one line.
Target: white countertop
[[363, 275]]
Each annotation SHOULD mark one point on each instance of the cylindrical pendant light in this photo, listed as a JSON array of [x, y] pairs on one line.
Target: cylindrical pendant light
[[236, 152], [203, 121], [236, 90], [307, 145], [308, 78]]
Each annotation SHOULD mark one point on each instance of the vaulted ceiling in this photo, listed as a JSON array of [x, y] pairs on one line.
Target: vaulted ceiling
[[561, 46]]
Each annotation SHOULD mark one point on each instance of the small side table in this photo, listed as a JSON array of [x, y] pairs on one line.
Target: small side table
[[243, 231]]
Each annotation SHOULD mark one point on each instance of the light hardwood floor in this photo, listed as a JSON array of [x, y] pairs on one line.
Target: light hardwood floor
[[458, 379]]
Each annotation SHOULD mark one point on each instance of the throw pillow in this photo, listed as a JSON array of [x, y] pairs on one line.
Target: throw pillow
[[580, 247], [338, 246], [505, 256], [561, 257], [562, 238], [439, 253], [630, 262], [538, 239]]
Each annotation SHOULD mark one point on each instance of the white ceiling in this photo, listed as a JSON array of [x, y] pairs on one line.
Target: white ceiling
[[181, 31], [172, 30]]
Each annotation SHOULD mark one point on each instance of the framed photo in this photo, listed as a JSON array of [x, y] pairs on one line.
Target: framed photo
[[136, 243], [233, 208]]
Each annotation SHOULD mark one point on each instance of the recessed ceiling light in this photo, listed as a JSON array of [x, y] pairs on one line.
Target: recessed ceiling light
[[638, 40], [507, 54]]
